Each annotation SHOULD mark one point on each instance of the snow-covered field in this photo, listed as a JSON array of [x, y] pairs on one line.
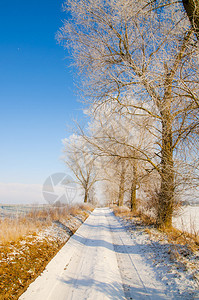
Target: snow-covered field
[[188, 220]]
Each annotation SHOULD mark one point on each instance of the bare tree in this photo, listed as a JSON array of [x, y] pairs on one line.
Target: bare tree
[[115, 139], [81, 163], [147, 61]]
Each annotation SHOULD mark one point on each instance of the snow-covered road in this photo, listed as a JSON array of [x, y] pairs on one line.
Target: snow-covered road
[[100, 261]]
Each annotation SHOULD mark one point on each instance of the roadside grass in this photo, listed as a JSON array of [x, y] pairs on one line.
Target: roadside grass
[[138, 216], [181, 247], [191, 240], [183, 238], [21, 262], [25, 250], [13, 229]]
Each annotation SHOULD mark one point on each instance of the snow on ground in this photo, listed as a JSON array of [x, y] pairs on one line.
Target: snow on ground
[[85, 267], [188, 220], [103, 260], [175, 265]]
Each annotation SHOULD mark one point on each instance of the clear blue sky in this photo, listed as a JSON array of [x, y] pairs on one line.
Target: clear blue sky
[[37, 94]]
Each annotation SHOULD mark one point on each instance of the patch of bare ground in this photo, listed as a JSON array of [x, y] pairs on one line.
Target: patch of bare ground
[[24, 253], [174, 253]]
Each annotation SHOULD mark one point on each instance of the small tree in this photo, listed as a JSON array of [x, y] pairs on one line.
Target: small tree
[[81, 163]]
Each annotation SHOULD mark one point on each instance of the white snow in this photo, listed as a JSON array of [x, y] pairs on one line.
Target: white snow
[[103, 261], [85, 268], [188, 220], [175, 265]]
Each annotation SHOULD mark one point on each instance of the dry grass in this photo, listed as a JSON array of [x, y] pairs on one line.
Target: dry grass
[[183, 238], [121, 211], [173, 235], [50, 214], [19, 268], [13, 229], [136, 215], [86, 207], [23, 256]]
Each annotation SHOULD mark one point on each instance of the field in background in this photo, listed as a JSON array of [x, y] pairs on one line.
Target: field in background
[[188, 219], [17, 210]]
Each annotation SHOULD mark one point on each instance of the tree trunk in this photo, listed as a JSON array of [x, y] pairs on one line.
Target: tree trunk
[[166, 197], [86, 196], [133, 188], [192, 10], [121, 187]]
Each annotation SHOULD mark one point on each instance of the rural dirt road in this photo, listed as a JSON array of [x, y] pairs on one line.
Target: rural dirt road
[[100, 261]]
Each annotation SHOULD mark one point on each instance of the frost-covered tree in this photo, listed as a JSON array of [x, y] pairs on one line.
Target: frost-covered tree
[[128, 50], [123, 147], [191, 8], [81, 162]]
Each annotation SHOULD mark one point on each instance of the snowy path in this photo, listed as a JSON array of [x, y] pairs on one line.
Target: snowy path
[[100, 261]]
